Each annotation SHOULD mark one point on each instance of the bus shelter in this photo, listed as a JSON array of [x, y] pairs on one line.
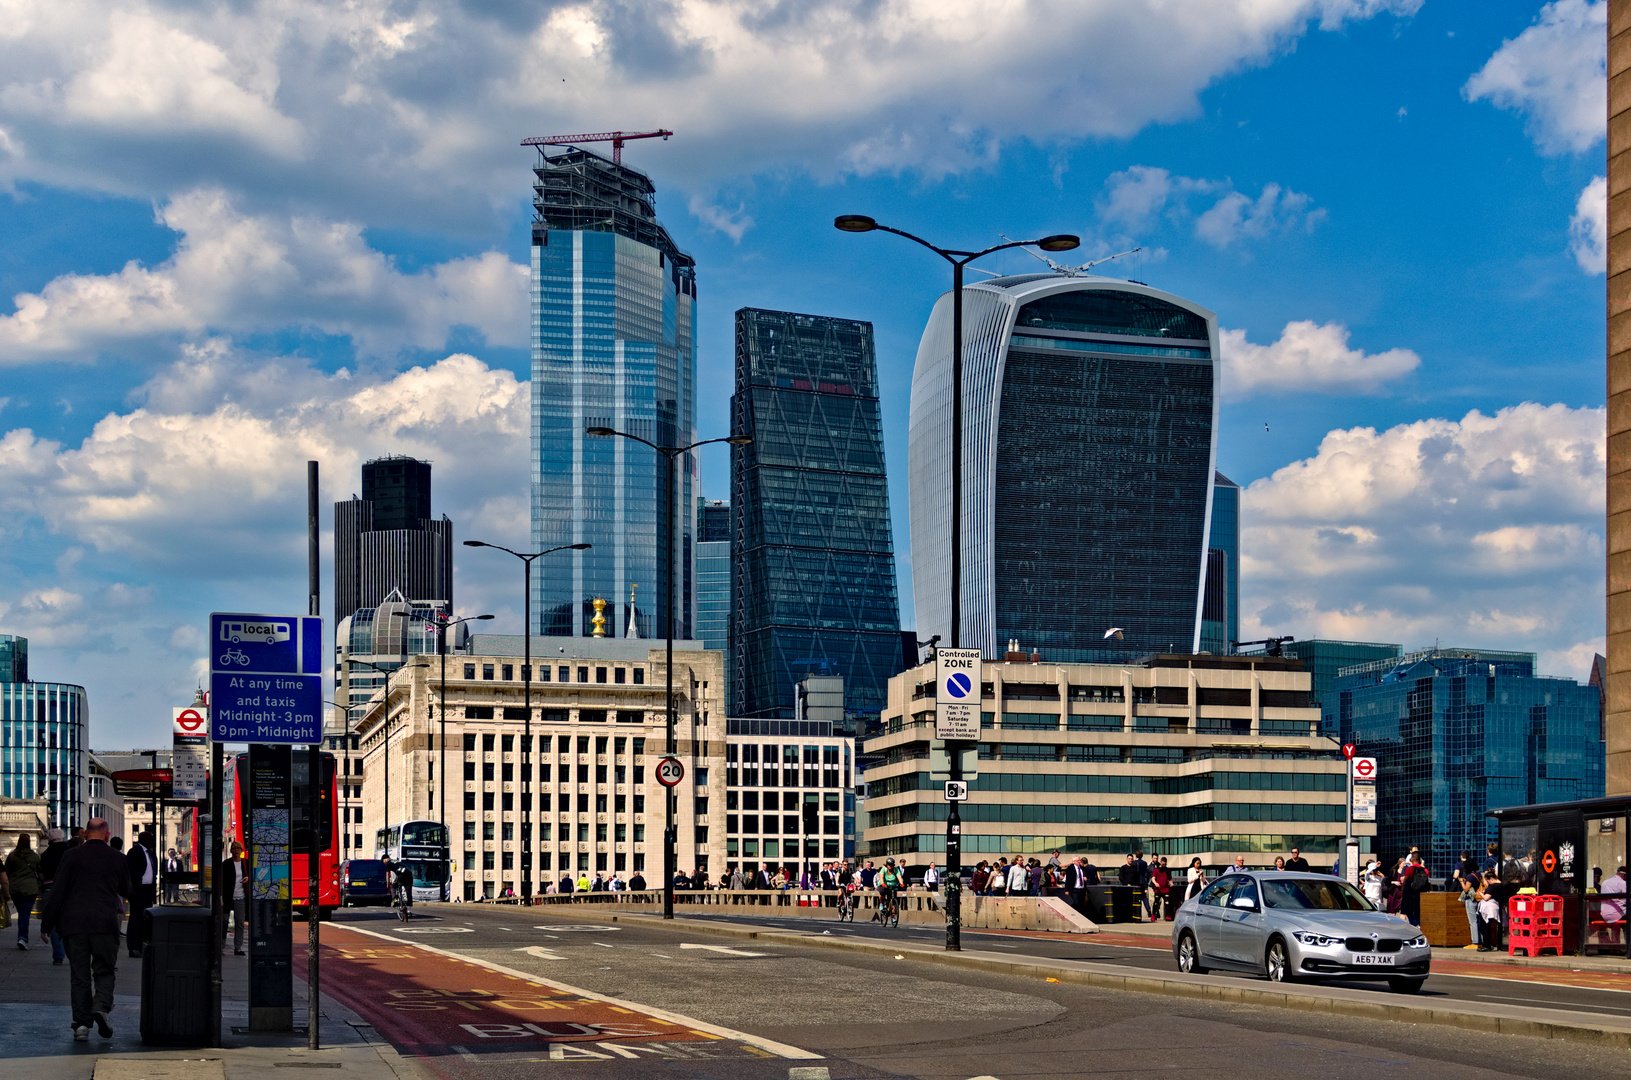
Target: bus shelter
[[1572, 849], [153, 785]]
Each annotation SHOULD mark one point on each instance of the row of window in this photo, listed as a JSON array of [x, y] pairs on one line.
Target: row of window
[[1114, 815], [563, 673], [1223, 843], [1142, 695], [1119, 785], [752, 777], [504, 772], [507, 801], [769, 848]]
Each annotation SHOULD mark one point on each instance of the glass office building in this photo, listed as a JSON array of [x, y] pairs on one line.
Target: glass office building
[[43, 738], [1456, 732], [387, 541], [613, 345], [1089, 446], [1220, 610], [813, 559]]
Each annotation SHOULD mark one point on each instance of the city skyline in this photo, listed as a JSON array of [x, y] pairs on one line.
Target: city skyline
[[190, 327]]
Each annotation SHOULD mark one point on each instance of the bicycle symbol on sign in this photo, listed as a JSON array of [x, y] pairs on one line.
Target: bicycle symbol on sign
[[235, 656]]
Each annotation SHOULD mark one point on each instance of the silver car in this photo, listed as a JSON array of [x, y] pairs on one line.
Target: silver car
[[1290, 926]]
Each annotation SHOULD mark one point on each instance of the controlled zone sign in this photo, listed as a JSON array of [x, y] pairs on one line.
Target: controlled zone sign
[[266, 678], [957, 675]]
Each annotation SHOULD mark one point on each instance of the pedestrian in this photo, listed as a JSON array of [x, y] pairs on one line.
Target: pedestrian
[[235, 897], [1033, 877], [564, 886], [738, 882], [1415, 882], [1296, 864], [1239, 866], [55, 848], [1141, 870], [1161, 885], [1470, 887], [931, 878], [144, 876], [172, 867], [1612, 912], [637, 882], [1371, 880], [1018, 879], [1489, 914], [22, 870], [84, 907], [1279, 862], [1195, 878]]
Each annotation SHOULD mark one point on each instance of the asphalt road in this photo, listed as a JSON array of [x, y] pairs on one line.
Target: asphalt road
[[864, 1016]]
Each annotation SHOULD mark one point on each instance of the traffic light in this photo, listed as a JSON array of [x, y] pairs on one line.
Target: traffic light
[[811, 824]]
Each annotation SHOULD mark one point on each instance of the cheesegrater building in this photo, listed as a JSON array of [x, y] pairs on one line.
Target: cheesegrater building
[[1089, 452], [613, 345]]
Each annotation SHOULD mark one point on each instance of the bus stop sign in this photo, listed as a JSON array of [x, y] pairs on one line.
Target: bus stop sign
[[266, 678]]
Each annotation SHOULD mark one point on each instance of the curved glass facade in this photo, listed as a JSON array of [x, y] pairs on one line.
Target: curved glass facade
[[1088, 464], [43, 728]]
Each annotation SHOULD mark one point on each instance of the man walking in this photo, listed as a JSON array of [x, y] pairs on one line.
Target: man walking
[[235, 898], [172, 867], [84, 907], [144, 872], [55, 848]]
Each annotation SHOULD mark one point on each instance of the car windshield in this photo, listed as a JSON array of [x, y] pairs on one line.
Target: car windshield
[[1327, 895]]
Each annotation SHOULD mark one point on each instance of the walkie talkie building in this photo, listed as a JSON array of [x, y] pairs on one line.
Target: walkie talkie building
[[1089, 448]]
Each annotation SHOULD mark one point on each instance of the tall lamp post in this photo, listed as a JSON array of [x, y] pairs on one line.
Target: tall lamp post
[[345, 743], [671, 454], [385, 723], [860, 223], [441, 624], [526, 682]]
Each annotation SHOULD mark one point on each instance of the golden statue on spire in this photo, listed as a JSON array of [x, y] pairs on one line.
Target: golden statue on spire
[[597, 625]]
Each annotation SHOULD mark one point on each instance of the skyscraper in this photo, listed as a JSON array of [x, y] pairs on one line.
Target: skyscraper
[[43, 727], [1220, 611], [613, 345], [812, 559], [1089, 445], [714, 576], [387, 540]]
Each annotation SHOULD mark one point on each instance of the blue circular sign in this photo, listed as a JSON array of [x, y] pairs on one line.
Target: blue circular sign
[[959, 685]]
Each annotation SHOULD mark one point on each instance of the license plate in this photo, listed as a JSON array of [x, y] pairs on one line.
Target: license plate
[[1376, 959], [354, 884]]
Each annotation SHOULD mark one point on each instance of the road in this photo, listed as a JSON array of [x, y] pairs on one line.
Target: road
[[687, 1003]]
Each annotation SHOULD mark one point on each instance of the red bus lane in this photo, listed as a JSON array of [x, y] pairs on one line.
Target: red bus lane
[[449, 1009]]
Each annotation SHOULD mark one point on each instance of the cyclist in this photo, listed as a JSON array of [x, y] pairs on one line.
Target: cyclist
[[889, 881], [402, 884], [846, 892]]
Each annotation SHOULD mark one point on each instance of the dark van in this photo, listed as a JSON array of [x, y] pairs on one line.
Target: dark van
[[362, 883]]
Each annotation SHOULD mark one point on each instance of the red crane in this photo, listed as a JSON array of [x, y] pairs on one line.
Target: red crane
[[616, 138]]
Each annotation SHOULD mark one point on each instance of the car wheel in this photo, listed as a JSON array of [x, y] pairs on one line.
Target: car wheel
[[1277, 965], [1189, 955], [1405, 986]]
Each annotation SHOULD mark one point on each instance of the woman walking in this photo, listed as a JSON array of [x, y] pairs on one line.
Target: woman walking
[[23, 868], [1197, 878]]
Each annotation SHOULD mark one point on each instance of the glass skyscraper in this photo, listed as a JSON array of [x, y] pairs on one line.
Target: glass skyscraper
[[714, 575], [613, 345], [1089, 449], [1220, 610], [44, 730], [1456, 732], [387, 541], [812, 557]]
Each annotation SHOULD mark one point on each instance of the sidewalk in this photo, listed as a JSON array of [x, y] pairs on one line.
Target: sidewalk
[[39, 1045]]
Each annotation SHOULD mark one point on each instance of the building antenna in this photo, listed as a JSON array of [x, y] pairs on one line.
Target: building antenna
[[1074, 271]]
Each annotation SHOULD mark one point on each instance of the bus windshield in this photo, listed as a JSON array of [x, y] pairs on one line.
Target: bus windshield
[[424, 832], [426, 872]]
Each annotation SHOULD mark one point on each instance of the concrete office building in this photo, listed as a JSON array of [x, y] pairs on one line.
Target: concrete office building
[[1456, 732], [1089, 452], [44, 751], [789, 796], [599, 725], [1177, 755], [387, 540], [613, 345], [812, 552]]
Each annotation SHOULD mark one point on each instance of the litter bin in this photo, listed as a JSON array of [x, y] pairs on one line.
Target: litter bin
[[1112, 903], [176, 977]]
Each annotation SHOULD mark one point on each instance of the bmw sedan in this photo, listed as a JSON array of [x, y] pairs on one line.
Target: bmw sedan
[[1291, 926]]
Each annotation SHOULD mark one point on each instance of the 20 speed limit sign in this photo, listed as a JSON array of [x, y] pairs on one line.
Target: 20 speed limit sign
[[670, 771]]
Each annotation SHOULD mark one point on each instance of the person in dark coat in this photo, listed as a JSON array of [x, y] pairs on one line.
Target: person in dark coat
[[83, 907], [637, 883], [55, 848], [143, 867]]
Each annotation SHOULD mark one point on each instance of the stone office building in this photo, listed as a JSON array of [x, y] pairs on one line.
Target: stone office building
[[1177, 755], [598, 730]]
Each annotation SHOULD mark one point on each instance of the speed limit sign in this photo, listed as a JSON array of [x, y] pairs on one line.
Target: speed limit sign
[[670, 771]]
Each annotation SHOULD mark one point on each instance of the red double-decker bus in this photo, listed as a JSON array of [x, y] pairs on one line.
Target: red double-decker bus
[[328, 863]]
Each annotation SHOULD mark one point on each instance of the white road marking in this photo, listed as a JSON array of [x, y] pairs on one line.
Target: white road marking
[[464, 1052], [541, 953], [809, 1072], [433, 930], [665, 956], [723, 950], [506, 929], [994, 945], [602, 944], [581, 929], [1538, 1005]]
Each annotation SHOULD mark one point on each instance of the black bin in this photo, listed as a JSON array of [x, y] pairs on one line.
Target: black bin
[[1112, 903], [176, 977]]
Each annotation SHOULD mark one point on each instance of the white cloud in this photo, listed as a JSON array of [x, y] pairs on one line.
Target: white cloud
[[239, 272], [1308, 357], [1485, 531], [1142, 197], [1555, 73], [1588, 228], [410, 112], [733, 223]]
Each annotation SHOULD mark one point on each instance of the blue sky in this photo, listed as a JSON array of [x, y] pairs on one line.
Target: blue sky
[[238, 236]]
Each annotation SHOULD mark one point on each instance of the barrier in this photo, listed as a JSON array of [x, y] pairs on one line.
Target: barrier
[[1535, 924]]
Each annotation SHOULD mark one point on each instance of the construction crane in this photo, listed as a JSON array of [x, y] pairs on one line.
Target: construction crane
[[616, 138]]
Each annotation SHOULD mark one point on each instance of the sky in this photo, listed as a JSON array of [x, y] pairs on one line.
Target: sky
[[237, 236]]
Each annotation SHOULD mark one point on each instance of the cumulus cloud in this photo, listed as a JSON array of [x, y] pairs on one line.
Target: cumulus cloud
[[243, 272], [1308, 357], [1486, 530], [1588, 228], [1555, 74], [410, 112], [1144, 197]]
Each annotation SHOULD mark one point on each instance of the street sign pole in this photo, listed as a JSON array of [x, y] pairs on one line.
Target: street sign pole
[[957, 678]]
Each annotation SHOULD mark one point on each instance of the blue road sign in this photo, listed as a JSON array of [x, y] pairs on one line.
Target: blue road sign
[[266, 678]]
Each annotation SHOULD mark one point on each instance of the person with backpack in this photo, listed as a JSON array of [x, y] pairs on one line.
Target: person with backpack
[[1415, 881]]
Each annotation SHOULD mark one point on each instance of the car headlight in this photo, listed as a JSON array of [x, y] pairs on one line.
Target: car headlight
[[1418, 942], [1320, 941]]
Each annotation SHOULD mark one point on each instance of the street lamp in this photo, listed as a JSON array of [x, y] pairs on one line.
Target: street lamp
[[441, 624], [385, 726], [345, 741], [671, 453], [860, 223], [526, 682]]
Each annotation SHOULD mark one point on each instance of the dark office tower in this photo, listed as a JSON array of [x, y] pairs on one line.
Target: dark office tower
[[613, 345], [1089, 410], [1220, 611], [713, 521], [388, 540], [812, 561]]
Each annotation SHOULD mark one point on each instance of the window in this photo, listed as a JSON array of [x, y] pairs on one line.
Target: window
[[563, 674], [508, 832], [507, 773], [639, 747], [509, 801], [487, 800], [526, 674], [563, 744], [639, 834], [487, 671], [619, 675], [512, 712], [583, 804], [470, 671], [583, 832], [487, 770], [470, 800], [507, 673], [469, 742], [1093, 723], [600, 774], [630, 716], [600, 833], [508, 864], [544, 831], [583, 674], [583, 744], [639, 804], [486, 863], [1030, 721], [470, 770], [509, 742], [600, 804], [478, 712], [600, 674], [543, 802], [469, 832], [487, 744], [591, 716], [1213, 695], [622, 833], [620, 803], [583, 774], [639, 676]]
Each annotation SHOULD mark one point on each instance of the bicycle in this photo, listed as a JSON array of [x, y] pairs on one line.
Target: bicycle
[[403, 904], [235, 656], [889, 907], [846, 906]]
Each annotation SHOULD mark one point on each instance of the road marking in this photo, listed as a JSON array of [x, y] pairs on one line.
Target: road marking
[[723, 950], [602, 944], [809, 1072], [665, 956], [541, 953], [573, 929], [1561, 1005], [433, 930], [995, 945], [506, 929]]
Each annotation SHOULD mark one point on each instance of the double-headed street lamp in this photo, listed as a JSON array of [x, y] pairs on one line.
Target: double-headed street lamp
[[860, 223], [671, 454], [385, 725], [345, 742], [527, 758], [441, 624]]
